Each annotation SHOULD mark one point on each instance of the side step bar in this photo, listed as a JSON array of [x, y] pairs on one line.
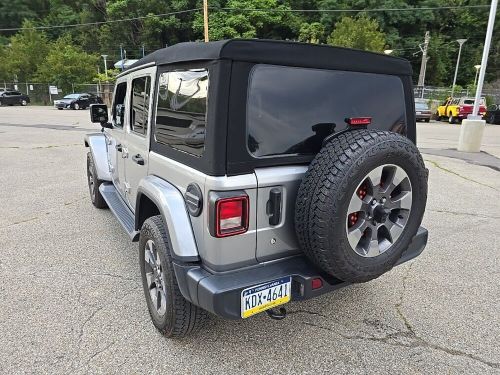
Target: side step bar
[[119, 209]]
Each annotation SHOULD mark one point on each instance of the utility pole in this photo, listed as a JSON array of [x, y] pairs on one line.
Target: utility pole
[[461, 43], [105, 65], [205, 19], [143, 50], [121, 55], [423, 64]]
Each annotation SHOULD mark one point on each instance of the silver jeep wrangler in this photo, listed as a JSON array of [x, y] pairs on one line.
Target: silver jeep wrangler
[[253, 173]]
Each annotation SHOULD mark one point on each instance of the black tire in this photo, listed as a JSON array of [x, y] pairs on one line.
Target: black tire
[[326, 190], [438, 118], [60, 109], [181, 317], [427, 120], [95, 195], [452, 119]]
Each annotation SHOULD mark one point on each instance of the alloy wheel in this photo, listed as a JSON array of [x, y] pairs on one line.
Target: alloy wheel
[[379, 210], [155, 278]]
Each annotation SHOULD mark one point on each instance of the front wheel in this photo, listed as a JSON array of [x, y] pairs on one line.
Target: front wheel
[[94, 183], [76, 106], [170, 312]]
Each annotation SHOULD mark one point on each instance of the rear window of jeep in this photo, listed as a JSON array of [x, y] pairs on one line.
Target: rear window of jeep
[[290, 111]]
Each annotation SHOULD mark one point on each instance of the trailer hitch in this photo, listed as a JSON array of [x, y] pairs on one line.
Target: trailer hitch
[[277, 315]]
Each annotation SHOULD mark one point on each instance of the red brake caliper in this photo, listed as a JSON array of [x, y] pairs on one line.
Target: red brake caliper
[[353, 217]]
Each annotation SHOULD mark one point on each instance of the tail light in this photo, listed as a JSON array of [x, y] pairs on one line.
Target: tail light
[[231, 216], [358, 121]]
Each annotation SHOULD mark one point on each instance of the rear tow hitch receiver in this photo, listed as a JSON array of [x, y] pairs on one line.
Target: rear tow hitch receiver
[[277, 315]]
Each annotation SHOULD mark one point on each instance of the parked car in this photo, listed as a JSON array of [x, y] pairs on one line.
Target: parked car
[[248, 182], [77, 101], [422, 111], [492, 115], [13, 97], [456, 109]]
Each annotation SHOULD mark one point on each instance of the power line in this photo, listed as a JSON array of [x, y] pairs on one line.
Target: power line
[[350, 10], [251, 10], [97, 23]]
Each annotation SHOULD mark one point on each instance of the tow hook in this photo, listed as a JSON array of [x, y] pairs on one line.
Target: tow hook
[[277, 315]]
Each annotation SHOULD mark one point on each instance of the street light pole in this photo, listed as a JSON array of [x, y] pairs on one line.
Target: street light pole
[[477, 72], [472, 129], [484, 60], [460, 42], [105, 65]]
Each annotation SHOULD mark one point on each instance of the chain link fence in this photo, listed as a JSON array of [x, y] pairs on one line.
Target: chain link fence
[[441, 93], [40, 93]]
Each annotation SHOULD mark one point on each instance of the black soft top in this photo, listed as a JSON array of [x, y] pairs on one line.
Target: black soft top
[[280, 53]]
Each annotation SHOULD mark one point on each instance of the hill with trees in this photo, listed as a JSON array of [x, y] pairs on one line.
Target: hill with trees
[[61, 41]]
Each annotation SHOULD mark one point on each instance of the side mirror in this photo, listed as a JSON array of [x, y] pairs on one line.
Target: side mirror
[[99, 114]]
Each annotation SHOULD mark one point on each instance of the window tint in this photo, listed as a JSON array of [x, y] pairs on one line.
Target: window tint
[[139, 110], [420, 105], [181, 110], [118, 110], [292, 110]]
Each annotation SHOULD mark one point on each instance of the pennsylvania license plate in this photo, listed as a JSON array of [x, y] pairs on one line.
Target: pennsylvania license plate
[[265, 296]]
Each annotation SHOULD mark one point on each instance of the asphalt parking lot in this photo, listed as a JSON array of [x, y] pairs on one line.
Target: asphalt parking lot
[[71, 299]]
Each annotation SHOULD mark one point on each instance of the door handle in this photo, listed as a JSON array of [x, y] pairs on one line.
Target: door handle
[[119, 147], [138, 159], [274, 206]]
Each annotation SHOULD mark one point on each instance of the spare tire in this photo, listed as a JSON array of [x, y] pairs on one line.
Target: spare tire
[[360, 203]]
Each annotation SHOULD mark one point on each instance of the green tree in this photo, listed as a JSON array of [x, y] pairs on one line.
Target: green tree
[[311, 32], [67, 64], [360, 32], [26, 50], [250, 24]]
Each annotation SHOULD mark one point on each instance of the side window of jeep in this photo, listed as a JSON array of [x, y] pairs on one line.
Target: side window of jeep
[[118, 109], [181, 110], [139, 105]]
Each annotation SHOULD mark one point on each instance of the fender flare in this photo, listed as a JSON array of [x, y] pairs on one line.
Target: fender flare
[[97, 144], [170, 202]]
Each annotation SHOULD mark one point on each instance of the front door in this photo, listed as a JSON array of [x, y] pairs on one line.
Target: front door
[[138, 131], [115, 137]]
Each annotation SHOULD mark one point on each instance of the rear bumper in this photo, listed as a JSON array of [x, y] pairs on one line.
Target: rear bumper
[[220, 293], [423, 116]]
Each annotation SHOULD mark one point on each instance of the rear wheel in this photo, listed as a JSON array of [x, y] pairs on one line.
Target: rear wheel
[[170, 312], [360, 204], [452, 119], [24, 102], [427, 120]]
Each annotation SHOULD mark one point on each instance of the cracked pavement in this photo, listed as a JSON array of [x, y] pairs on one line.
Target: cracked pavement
[[71, 300]]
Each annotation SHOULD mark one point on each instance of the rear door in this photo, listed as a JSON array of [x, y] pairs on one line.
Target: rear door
[[138, 131]]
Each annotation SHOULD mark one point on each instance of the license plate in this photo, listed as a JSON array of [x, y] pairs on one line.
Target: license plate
[[419, 113], [265, 296]]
